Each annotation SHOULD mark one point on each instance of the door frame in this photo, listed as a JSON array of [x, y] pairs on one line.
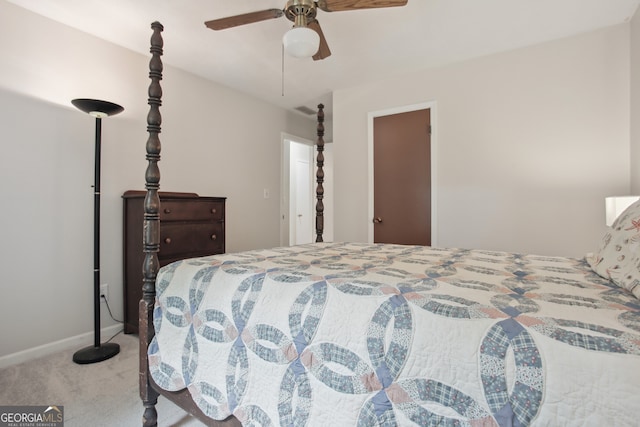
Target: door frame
[[432, 106]]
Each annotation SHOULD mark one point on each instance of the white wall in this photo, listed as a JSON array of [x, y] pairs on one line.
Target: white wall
[[529, 144], [215, 141]]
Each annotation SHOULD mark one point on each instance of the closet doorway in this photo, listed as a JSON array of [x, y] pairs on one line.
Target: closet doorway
[[297, 207], [301, 209], [402, 184]]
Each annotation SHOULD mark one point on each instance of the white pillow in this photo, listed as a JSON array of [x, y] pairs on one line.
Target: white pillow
[[618, 256]]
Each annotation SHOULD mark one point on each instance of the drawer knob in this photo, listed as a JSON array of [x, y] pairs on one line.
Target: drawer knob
[[167, 240], [167, 211], [213, 210], [214, 237]]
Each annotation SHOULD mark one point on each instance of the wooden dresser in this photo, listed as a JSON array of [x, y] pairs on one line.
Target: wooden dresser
[[190, 226]]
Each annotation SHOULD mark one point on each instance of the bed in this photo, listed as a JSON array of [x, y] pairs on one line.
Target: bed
[[338, 333]]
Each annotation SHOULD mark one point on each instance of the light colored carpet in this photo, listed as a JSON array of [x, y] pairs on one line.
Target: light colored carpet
[[99, 394]]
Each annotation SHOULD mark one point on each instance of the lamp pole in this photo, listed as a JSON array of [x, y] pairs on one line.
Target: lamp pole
[[96, 233], [98, 352]]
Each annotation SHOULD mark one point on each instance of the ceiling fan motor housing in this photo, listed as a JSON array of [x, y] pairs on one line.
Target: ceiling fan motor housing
[[300, 12]]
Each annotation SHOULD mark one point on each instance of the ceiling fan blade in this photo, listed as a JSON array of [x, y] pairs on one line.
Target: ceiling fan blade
[[245, 18], [323, 49], [341, 5]]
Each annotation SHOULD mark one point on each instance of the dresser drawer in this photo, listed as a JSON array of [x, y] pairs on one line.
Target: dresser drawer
[[192, 239], [191, 210]]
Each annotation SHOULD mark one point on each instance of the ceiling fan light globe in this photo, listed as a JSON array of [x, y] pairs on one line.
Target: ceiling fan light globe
[[301, 42]]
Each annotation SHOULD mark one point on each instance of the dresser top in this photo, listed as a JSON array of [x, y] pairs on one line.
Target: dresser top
[[136, 194]]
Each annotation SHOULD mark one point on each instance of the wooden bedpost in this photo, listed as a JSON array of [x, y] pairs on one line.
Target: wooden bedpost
[[151, 233], [320, 175]]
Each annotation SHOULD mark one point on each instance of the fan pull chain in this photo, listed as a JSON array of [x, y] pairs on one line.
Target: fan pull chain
[[282, 69]]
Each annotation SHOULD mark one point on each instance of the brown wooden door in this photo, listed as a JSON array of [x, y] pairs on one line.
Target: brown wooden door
[[402, 178]]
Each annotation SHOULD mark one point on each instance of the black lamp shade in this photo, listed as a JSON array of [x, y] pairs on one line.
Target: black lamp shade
[[96, 107]]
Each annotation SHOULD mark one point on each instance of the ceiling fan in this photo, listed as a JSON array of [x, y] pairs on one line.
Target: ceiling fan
[[300, 41]]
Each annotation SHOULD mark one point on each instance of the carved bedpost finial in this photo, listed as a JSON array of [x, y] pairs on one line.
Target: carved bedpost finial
[[320, 175]]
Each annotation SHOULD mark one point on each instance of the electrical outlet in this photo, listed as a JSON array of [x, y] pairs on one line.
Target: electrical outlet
[[104, 291]]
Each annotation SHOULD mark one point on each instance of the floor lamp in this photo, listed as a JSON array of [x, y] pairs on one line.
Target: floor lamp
[[97, 352]]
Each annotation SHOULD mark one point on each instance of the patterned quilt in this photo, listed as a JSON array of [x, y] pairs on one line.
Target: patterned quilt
[[335, 334]]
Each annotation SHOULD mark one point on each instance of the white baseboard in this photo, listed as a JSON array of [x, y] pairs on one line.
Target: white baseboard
[[78, 341]]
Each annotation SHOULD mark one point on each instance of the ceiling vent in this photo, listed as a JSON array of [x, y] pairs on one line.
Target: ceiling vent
[[305, 110]]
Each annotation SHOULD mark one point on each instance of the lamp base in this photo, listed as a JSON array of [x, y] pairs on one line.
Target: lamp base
[[94, 354]]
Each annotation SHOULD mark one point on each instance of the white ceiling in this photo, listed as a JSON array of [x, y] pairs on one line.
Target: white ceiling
[[366, 45]]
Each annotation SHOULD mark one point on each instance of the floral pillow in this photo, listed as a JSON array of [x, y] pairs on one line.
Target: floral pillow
[[618, 257], [629, 278]]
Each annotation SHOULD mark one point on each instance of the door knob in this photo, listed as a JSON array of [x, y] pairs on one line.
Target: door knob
[[377, 220]]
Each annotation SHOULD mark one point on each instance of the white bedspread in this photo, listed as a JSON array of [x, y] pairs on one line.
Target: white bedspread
[[355, 334]]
